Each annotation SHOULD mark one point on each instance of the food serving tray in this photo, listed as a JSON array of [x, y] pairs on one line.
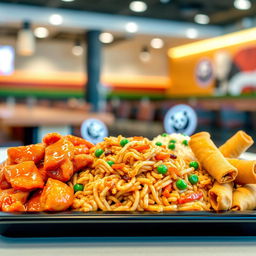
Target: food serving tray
[[128, 224]]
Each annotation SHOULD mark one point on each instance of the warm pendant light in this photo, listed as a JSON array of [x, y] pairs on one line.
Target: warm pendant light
[[25, 40], [145, 54]]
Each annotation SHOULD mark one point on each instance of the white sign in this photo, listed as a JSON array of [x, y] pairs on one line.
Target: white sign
[[180, 119], [94, 130], [6, 60]]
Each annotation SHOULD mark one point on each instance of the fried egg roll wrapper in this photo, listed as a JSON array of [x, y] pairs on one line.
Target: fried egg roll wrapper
[[236, 145], [220, 196], [246, 170], [244, 198], [211, 158]]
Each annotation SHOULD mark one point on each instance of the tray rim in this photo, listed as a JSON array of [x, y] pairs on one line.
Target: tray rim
[[70, 217]]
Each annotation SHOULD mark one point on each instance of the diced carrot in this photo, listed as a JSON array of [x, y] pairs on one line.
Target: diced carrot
[[141, 148], [173, 169], [138, 138], [162, 156], [167, 190], [118, 166], [190, 198]]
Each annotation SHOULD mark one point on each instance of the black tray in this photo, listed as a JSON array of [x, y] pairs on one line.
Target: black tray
[[128, 224]]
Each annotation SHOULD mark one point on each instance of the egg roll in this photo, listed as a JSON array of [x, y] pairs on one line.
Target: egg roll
[[220, 196], [246, 170], [244, 198], [211, 158], [236, 145]]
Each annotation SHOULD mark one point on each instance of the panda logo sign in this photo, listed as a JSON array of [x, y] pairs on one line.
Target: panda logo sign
[[94, 130], [180, 119]]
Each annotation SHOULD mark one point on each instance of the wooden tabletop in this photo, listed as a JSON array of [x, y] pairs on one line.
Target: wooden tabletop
[[23, 116]]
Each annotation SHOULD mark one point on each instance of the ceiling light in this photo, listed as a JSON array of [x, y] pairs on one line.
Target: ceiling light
[[221, 42], [191, 33], [56, 19], [67, 1], [145, 55], [77, 49], [157, 43], [202, 19], [41, 32], [242, 4], [106, 38], [138, 6], [131, 27], [25, 40]]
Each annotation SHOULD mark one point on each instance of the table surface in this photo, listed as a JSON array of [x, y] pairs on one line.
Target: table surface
[[21, 115], [191, 246]]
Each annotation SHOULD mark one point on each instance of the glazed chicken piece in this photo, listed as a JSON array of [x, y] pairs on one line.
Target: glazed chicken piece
[[34, 203], [81, 161], [4, 184], [58, 156], [82, 146], [21, 154], [12, 200], [51, 138], [77, 141], [24, 176], [42, 171], [81, 149], [56, 196]]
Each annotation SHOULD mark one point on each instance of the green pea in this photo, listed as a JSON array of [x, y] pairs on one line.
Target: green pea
[[181, 184], [98, 152], [193, 179], [110, 163], [194, 164], [164, 134], [123, 142], [162, 169], [185, 142], [78, 187], [158, 143], [171, 146], [172, 141]]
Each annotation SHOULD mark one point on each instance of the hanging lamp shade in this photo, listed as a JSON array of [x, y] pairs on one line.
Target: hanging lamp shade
[[25, 40]]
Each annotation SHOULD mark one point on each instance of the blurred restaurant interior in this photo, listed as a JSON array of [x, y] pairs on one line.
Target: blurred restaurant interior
[[125, 63]]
